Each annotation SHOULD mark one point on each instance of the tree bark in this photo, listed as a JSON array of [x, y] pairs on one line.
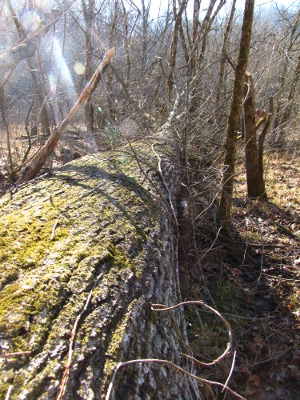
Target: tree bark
[[195, 65], [292, 92], [3, 114], [37, 88], [110, 96], [262, 136], [173, 50], [255, 181], [280, 114], [207, 24], [88, 13], [220, 88], [233, 117], [89, 249]]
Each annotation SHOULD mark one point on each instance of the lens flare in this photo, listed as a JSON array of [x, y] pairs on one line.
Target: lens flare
[[59, 72], [53, 87], [63, 70], [52, 84], [61, 63], [44, 5], [31, 20], [79, 68]]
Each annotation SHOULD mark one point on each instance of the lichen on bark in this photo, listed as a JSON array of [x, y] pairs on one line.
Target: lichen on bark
[[98, 214]]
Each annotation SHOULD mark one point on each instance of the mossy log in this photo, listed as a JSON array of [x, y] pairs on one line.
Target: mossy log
[[95, 218]]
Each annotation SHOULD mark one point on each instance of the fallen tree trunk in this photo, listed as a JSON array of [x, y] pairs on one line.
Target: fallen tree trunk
[[83, 254]]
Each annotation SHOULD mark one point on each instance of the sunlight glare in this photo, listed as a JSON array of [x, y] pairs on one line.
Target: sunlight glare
[[52, 84], [44, 5], [62, 65], [53, 87], [60, 70], [31, 20]]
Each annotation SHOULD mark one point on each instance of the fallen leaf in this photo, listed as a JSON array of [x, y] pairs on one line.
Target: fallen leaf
[[236, 272], [246, 371], [254, 381]]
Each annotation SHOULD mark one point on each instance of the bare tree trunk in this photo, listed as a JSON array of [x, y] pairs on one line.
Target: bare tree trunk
[[37, 87], [183, 42], [279, 115], [195, 33], [233, 117], [88, 14], [43, 154], [207, 24], [173, 52], [2, 108], [262, 136], [198, 51], [292, 92], [110, 99], [127, 43], [255, 182], [223, 63], [145, 16]]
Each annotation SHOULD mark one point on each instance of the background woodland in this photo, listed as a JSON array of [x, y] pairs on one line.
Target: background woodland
[[177, 65]]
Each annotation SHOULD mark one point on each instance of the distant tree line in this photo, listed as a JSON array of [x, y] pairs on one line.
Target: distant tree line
[[180, 67]]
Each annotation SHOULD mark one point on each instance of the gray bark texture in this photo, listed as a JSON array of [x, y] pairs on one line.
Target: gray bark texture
[[233, 116], [95, 227]]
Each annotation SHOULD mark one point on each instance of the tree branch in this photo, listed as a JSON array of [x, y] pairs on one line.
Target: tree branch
[[41, 157]]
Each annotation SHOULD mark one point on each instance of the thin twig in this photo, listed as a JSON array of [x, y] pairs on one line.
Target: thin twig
[[261, 257], [66, 373], [164, 182], [178, 331], [54, 227], [171, 365], [165, 202], [230, 372], [208, 207], [111, 384], [7, 396], [161, 307], [212, 245], [246, 97]]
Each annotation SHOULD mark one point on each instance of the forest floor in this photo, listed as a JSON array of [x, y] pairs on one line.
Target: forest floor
[[253, 280]]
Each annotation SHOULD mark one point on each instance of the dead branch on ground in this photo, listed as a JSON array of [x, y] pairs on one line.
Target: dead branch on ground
[[41, 157]]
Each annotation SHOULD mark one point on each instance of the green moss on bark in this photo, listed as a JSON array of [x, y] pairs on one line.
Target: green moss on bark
[[56, 236]]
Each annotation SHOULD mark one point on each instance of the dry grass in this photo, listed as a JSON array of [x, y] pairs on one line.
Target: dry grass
[[282, 177]]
